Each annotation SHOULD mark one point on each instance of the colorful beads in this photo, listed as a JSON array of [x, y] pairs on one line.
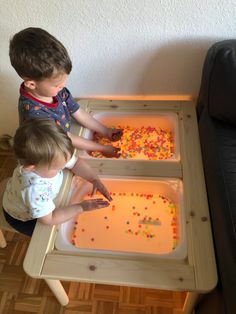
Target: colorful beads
[[141, 214], [142, 143]]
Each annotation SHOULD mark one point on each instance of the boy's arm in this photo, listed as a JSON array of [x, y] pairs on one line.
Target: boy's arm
[[89, 122], [84, 144]]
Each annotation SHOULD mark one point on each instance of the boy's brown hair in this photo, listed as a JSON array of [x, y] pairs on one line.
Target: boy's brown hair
[[39, 141], [35, 54]]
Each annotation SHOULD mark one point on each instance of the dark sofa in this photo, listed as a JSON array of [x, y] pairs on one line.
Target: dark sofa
[[216, 109]]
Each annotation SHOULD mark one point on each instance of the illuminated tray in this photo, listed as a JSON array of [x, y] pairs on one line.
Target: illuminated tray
[[150, 136], [146, 217]]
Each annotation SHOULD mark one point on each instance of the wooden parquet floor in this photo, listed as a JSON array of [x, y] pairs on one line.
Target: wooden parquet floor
[[21, 294]]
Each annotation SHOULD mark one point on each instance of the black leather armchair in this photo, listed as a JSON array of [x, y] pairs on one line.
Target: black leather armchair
[[216, 110]]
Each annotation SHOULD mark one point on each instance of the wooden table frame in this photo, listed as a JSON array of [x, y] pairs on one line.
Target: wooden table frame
[[196, 274]]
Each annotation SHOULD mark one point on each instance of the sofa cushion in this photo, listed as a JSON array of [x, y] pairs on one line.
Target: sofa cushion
[[218, 85]]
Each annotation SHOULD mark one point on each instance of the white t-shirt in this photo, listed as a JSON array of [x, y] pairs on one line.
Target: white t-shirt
[[29, 196]]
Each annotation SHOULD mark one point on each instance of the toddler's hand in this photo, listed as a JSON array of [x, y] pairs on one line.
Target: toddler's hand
[[99, 186], [111, 151], [92, 204], [114, 134]]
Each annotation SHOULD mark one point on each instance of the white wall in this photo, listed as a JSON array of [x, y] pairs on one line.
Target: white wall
[[119, 46]]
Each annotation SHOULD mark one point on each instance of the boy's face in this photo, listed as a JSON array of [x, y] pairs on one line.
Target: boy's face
[[49, 87]]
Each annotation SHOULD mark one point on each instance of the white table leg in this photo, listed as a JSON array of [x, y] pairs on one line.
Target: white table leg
[[190, 302], [3, 242], [58, 291]]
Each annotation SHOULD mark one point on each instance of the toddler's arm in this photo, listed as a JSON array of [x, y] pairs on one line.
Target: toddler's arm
[[82, 169], [62, 214]]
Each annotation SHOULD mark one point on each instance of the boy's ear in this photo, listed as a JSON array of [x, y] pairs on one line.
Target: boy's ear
[[29, 84]]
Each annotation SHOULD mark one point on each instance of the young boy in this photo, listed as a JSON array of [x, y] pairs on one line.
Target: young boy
[[44, 64], [43, 150]]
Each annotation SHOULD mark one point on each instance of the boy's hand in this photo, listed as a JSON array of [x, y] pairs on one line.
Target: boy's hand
[[110, 151], [114, 134], [99, 186], [96, 203]]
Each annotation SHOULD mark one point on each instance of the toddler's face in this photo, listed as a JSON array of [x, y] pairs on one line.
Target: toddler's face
[[51, 171], [51, 86]]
